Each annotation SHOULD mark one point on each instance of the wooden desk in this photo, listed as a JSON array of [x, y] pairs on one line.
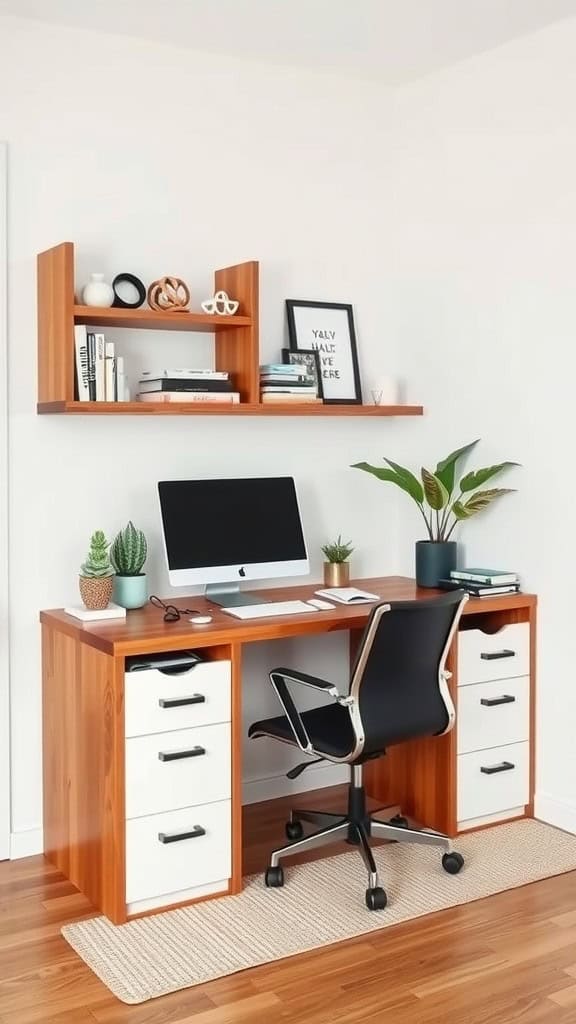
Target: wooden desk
[[85, 738]]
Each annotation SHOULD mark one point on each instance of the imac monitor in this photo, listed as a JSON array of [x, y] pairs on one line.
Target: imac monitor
[[222, 532]]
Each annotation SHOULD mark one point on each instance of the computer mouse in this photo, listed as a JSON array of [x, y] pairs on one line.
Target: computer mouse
[[200, 620]]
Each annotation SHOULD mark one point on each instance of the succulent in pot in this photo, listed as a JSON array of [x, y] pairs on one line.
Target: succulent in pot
[[97, 574], [336, 566], [128, 554]]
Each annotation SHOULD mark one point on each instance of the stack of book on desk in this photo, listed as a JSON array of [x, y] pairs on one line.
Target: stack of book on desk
[[482, 582], [287, 382], [187, 386]]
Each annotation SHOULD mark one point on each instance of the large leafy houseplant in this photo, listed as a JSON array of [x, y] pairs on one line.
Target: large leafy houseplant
[[441, 502]]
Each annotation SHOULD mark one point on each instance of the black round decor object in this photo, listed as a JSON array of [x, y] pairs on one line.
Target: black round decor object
[[136, 283], [376, 899], [452, 862], [274, 877], [294, 830]]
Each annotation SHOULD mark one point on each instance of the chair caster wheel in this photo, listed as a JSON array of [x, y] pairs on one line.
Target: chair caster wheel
[[452, 863], [274, 877], [400, 821], [376, 899], [294, 830]]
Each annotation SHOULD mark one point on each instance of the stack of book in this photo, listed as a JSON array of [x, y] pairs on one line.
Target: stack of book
[[99, 371], [187, 386], [482, 582], [287, 382]]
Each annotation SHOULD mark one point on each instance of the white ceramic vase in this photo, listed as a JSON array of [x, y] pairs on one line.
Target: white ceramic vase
[[97, 292]]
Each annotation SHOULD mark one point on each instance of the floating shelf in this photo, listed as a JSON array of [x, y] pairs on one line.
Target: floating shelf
[[150, 319], [224, 409]]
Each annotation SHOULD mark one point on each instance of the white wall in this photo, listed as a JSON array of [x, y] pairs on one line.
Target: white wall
[[157, 160], [481, 296]]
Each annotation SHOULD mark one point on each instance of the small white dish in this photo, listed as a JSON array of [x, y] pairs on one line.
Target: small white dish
[[200, 620]]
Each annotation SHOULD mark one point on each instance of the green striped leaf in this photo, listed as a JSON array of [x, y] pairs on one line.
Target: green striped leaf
[[446, 468], [435, 492], [480, 476]]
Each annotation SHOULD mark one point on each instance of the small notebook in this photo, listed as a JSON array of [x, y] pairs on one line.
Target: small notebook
[[348, 595]]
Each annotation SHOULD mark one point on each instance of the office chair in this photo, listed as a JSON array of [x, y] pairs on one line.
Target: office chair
[[398, 691]]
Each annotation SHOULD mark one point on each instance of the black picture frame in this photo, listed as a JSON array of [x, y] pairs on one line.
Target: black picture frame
[[308, 358], [328, 329]]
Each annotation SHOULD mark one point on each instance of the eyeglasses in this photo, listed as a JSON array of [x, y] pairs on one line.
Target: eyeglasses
[[171, 612]]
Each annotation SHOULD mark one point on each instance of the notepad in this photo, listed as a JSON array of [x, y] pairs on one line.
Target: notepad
[[348, 595]]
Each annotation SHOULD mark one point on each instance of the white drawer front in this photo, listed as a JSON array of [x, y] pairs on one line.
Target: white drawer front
[[154, 867], [492, 714], [501, 655], [156, 702], [480, 792], [175, 769]]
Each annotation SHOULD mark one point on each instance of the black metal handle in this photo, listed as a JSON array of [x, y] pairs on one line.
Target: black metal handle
[[494, 769], [181, 702], [180, 755], [176, 837], [497, 655], [493, 702]]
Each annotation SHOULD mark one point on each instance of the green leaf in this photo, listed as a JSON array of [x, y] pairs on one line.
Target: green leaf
[[434, 490], [480, 476], [413, 485], [480, 501], [446, 468], [392, 477], [460, 511]]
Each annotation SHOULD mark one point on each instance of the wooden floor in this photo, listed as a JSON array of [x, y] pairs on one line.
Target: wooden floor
[[505, 959]]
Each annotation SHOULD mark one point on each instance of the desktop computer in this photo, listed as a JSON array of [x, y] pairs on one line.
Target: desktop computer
[[221, 533]]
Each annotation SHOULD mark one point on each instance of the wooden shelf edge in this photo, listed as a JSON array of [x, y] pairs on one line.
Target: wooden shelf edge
[[215, 409], [151, 319]]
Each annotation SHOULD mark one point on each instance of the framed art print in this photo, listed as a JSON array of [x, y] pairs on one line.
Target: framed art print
[[309, 359], [328, 329]]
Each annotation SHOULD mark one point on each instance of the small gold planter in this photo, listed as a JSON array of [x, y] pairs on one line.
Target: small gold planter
[[336, 574]]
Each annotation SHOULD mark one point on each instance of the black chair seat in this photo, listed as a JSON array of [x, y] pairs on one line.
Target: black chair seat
[[329, 728]]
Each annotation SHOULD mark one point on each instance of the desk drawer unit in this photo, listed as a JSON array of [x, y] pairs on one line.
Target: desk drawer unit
[[491, 782], [175, 769], [492, 714], [178, 854], [158, 702], [501, 655]]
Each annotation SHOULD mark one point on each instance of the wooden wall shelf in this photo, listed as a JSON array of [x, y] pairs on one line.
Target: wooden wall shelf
[[224, 409], [236, 347]]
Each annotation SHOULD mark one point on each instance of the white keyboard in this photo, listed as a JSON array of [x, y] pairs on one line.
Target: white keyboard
[[262, 611]]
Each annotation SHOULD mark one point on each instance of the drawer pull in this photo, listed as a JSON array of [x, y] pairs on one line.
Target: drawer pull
[[494, 769], [177, 837], [494, 702], [181, 702], [179, 755], [497, 655]]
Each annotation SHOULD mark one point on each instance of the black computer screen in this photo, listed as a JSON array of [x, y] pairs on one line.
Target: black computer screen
[[230, 522]]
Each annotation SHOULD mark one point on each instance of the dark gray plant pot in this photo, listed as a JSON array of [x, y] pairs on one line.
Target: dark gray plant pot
[[434, 561]]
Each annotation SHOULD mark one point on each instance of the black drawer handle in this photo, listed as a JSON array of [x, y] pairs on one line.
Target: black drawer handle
[[493, 702], [179, 755], [182, 702], [493, 769], [497, 655], [177, 837]]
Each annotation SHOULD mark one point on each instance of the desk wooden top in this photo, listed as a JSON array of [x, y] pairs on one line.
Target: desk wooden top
[[144, 630]]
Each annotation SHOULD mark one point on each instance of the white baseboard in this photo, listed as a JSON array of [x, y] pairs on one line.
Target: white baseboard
[[555, 812], [26, 844], [278, 785]]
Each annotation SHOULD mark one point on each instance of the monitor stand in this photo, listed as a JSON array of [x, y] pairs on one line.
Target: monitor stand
[[229, 595]]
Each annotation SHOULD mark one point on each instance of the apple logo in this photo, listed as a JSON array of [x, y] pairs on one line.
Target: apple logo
[[242, 571]]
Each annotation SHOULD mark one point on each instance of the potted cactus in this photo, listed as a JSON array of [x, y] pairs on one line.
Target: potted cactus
[[96, 574], [336, 567], [128, 554]]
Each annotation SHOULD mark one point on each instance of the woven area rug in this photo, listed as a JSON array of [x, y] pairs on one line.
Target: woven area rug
[[322, 902]]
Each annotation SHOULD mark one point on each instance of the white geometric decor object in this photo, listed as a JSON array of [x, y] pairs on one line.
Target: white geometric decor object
[[220, 304]]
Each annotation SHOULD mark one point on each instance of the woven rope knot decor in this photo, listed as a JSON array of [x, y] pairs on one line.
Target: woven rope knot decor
[[169, 295]]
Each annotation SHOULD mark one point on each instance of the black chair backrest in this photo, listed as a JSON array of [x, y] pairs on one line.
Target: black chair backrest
[[397, 671]]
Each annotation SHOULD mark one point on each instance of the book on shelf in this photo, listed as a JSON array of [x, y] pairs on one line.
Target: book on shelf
[[479, 589], [100, 376], [284, 369], [184, 374], [109, 372], [291, 399], [223, 398], [184, 384], [288, 389], [120, 382], [487, 576], [81, 357]]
